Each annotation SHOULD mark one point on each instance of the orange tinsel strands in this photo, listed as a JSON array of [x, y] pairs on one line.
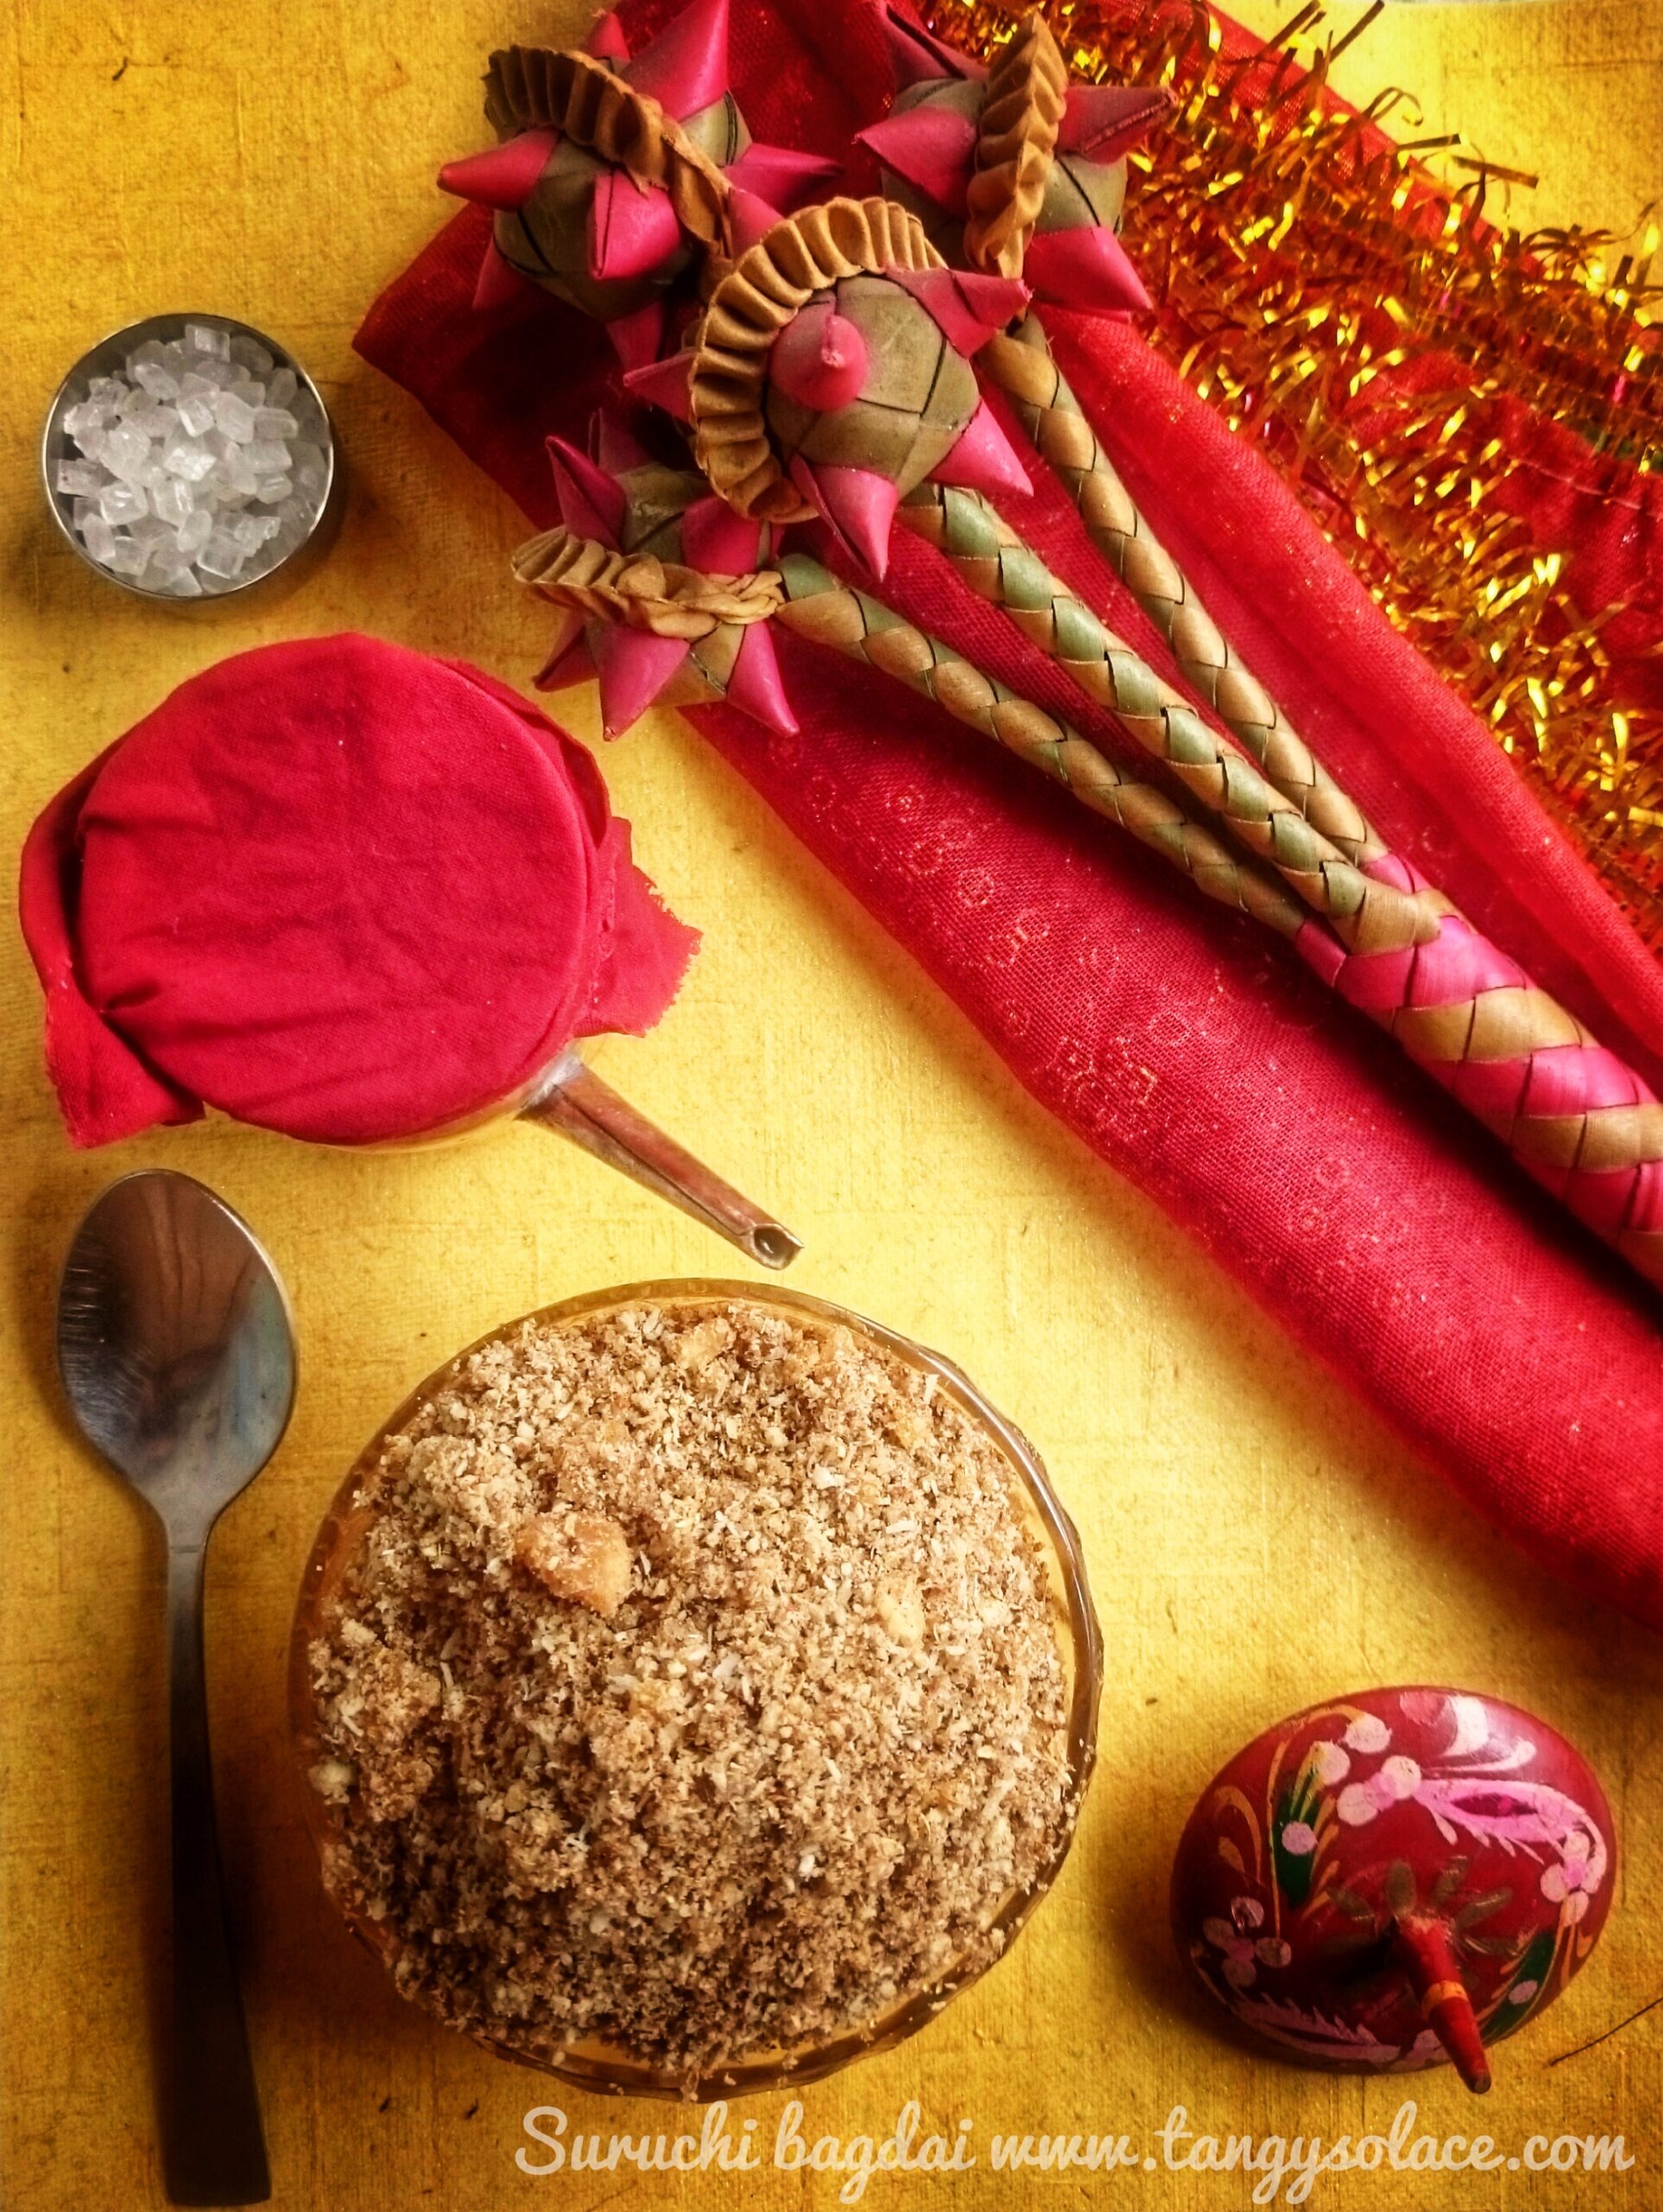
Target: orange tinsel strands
[[1372, 333]]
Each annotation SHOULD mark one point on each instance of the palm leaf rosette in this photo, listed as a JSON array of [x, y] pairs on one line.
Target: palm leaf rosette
[[615, 176]]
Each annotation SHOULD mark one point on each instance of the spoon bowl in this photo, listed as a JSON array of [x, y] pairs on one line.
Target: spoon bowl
[[177, 1357], [175, 1344]]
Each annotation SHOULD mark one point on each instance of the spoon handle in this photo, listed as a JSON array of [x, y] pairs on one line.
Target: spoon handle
[[213, 2144]]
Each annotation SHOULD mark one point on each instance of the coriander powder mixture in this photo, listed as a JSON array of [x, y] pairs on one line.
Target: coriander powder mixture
[[692, 1683]]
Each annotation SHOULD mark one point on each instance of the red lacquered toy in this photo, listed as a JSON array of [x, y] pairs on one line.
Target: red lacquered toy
[[1393, 1879]]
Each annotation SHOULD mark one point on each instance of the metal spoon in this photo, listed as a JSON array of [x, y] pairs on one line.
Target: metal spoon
[[178, 1357]]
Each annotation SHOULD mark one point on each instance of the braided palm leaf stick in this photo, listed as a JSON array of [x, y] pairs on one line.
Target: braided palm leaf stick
[[1578, 1120], [1021, 363], [820, 608], [1366, 915]]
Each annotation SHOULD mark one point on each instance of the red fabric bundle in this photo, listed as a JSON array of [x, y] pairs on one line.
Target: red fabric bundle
[[340, 890], [1388, 1232]]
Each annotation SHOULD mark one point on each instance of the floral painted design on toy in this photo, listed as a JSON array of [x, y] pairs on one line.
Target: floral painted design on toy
[[1385, 1879], [1243, 1955]]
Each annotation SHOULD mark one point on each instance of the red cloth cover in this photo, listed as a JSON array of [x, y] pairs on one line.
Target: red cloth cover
[[338, 889], [1388, 1231]]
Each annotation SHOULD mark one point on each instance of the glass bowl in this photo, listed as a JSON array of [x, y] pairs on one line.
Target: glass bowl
[[294, 563], [604, 2068]]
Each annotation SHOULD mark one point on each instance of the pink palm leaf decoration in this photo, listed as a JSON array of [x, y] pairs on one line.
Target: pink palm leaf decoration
[[664, 522], [855, 387], [1061, 151], [615, 172]]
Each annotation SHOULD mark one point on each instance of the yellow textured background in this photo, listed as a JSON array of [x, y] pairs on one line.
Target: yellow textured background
[[1257, 1539]]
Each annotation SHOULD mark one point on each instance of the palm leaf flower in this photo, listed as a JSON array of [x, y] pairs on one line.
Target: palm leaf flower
[[831, 375], [658, 585], [615, 174], [1015, 170]]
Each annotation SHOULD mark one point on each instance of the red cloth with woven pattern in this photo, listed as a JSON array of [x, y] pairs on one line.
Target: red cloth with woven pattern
[[1390, 1234], [338, 889]]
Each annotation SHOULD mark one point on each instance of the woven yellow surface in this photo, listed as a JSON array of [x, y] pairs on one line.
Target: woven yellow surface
[[1256, 1540]]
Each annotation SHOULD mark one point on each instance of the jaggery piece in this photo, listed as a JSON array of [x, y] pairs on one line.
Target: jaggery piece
[[582, 1557], [899, 1610]]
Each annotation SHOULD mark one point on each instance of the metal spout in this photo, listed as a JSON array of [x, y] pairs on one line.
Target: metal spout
[[575, 1103]]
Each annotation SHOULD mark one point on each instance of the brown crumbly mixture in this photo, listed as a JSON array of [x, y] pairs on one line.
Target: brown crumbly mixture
[[787, 1773]]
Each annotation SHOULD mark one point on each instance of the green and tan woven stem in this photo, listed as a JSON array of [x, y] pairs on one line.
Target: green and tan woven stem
[[829, 613], [1366, 916], [1575, 1119], [1021, 363]]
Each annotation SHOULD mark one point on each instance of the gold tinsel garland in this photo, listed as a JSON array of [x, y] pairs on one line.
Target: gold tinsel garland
[[1272, 226]]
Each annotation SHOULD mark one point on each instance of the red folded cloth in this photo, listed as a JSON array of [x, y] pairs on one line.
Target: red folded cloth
[[1385, 1229], [338, 889]]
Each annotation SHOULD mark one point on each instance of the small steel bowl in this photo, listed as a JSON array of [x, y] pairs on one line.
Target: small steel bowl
[[110, 354]]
